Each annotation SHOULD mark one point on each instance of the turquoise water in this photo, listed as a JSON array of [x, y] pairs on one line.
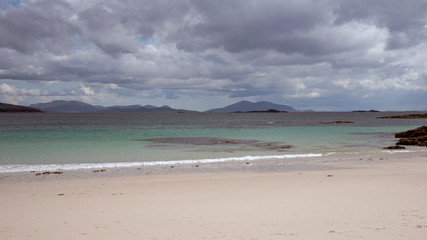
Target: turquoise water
[[80, 138]]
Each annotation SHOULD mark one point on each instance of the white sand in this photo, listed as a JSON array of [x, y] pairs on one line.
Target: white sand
[[361, 200]]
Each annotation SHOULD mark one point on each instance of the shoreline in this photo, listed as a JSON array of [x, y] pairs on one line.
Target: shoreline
[[272, 164], [368, 198]]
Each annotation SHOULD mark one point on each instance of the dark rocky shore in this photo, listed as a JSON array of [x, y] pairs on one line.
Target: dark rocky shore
[[414, 137]]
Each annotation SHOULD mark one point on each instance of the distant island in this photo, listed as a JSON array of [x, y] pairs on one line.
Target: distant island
[[337, 122], [5, 107], [66, 106], [366, 111], [246, 106], [417, 115], [77, 106], [267, 111], [82, 107]]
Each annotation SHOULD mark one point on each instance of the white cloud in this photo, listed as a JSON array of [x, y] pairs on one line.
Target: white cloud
[[86, 91], [9, 90], [6, 89]]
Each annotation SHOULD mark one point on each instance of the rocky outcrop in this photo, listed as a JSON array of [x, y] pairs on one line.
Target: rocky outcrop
[[416, 137], [418, 115], [238, 144]]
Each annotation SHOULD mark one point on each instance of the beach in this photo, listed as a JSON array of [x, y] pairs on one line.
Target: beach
[[240, 120], [371, 198]]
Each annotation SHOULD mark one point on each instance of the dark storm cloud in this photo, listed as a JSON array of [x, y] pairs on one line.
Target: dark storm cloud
[[296, 51], [406, 20], [290, 26], [115, 26], [247, 25], [38, 26], [295, 27]]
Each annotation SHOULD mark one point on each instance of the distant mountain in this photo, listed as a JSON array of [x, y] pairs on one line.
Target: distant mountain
[[246, 106], [5, 107], [77, 106], [145, 109], [66, 106]]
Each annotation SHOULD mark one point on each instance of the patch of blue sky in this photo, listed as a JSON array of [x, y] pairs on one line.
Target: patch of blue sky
[[20, 84], [145, 42], [7, 4], [78, 44], [51, 86], [61, 86]]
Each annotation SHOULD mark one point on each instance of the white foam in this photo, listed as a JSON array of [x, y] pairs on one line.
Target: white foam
[[404, 151], [56, 167], [397, 151], [330, 153]]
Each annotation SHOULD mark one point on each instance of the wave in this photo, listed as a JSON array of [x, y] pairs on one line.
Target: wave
[[81, 166]]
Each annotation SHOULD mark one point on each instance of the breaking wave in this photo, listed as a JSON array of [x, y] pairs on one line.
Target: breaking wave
[[80, 166]]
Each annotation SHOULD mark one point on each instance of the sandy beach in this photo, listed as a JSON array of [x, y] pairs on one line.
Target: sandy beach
[[378, 199]]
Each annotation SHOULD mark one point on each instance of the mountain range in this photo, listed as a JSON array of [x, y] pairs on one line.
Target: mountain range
[[66, 106], [77, 106]]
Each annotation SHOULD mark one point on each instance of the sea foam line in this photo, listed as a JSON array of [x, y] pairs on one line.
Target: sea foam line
[[79, 166]]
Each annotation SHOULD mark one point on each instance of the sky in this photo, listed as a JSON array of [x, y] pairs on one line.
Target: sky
[[324, 55]]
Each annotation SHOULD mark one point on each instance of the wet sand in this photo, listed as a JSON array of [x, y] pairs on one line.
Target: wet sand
[[374, 198]]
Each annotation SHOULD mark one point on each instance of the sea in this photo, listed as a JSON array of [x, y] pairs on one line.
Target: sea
[[73, 141]]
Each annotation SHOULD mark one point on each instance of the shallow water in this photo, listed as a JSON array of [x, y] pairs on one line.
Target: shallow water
[[59, 140]]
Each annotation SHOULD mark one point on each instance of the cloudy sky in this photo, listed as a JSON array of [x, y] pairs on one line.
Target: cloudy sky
[[198, 54]]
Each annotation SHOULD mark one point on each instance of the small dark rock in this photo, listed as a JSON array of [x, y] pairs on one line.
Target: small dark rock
[[395, 147], [337, 122]]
